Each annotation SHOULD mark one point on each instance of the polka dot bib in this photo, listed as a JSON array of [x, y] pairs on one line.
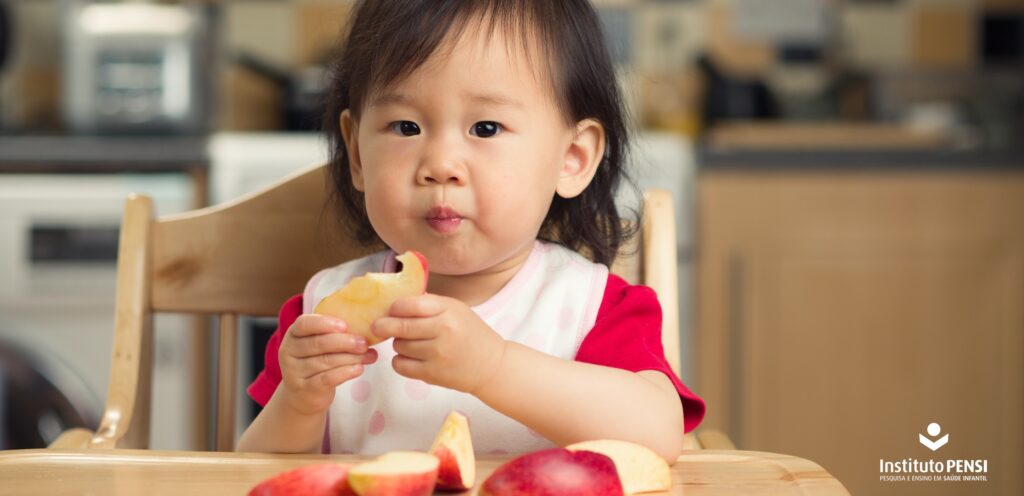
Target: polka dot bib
[[549, 305]]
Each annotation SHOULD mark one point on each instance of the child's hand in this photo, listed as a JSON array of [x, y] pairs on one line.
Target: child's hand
[[316, 356], [441, 341]]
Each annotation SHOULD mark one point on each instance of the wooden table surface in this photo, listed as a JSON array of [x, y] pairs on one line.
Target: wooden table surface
[[133, 472]]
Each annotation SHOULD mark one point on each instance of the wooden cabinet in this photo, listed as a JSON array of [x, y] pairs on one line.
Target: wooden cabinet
[[842, 312]]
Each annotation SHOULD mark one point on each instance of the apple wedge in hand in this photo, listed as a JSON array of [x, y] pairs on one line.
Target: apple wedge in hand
[[369, 297]]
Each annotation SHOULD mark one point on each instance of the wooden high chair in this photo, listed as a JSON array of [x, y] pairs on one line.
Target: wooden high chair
[[246, 257]]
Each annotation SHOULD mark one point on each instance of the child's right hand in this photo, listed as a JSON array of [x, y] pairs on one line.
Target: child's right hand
[[317, 355]]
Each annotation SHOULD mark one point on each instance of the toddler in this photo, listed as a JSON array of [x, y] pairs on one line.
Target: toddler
[[489, 136]]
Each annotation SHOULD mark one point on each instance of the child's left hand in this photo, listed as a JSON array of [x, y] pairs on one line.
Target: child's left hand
[[441, 341]]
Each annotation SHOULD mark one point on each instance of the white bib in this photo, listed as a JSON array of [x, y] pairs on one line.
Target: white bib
[[549, 305]]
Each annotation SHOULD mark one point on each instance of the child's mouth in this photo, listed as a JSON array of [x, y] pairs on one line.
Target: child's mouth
[[444, 220]]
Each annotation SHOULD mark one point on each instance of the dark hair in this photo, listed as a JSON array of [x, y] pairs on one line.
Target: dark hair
[[389, 39]]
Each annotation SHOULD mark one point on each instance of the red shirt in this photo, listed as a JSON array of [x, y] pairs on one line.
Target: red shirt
[[626, 335]]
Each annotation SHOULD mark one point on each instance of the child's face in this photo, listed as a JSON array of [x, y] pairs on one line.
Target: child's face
[[462, 159]]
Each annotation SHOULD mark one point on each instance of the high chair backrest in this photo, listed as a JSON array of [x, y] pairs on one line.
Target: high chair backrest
[[246, 257]]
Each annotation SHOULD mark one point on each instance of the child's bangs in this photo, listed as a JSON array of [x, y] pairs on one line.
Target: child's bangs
[[423, 29]]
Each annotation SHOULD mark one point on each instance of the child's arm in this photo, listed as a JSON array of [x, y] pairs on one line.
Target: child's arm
[[316, 356], [586, 401], [279, 428], [441, 341]]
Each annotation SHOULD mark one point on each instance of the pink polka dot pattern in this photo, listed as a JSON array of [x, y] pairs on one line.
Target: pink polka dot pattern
[[377, 423], [417, 389], [566, 318], [361, 391]]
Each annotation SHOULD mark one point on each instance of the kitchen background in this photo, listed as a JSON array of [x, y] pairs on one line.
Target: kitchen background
[[848, 177]]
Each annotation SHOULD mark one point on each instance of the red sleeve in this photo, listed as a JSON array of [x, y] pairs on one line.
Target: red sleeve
[[627, 335], [262, 388]]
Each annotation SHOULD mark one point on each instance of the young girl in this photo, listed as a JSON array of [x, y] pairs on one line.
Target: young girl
[[476, 132]]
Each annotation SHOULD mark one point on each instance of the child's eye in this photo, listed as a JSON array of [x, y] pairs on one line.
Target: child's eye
[[405, 128], [485, 129]]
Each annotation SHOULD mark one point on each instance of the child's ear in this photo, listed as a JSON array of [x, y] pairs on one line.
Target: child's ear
[[581, 158], [349, 132]]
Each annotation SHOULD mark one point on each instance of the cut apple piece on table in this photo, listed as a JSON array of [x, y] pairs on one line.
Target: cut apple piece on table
[[324, 479], [453, 448], [640, 469], [555, 472], [369, 297], [399, 473]]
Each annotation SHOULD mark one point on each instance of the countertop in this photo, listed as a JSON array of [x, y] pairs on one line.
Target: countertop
[[712, 158], [837, 145], [56, 153]]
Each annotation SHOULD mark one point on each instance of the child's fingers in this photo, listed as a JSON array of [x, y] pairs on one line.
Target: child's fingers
[[408, 367], [326, 344], [418, 349], [312, 366], [311, 324], [404, 328], [336, 376], [425, 305]]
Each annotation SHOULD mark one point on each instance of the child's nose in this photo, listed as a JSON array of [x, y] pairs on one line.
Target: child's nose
[[440, 167]]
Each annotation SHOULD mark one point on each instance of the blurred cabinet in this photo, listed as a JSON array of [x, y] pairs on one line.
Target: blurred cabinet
[[842, 311]]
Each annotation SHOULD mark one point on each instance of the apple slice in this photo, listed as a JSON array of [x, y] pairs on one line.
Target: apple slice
[[555, 472], [398, 473], [323, 479], [369, 297], [640, 469], [453, 447]]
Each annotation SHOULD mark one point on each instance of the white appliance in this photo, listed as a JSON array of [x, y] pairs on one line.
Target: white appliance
[[242, 163], [58, 250], [245, 162], [667, 161]]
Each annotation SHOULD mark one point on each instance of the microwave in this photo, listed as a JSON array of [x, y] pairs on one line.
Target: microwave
[[136, 68]]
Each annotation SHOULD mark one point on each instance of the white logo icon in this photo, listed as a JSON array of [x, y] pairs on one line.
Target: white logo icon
[[933, 430]]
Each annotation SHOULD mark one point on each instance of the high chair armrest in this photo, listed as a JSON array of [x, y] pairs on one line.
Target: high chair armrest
[[714, 440], [75, 438], [690, 441]]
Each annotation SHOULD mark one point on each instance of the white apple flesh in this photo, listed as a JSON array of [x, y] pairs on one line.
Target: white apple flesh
[[453, 446], [369, 297]]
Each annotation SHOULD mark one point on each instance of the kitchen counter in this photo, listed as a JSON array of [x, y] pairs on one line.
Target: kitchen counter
[[31, 154], [831, 145], [712, 158]]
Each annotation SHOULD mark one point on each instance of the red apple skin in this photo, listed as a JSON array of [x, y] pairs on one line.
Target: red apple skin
[[426, 268], [324, 479], [555, 472], [448, 476], [453, 447]]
